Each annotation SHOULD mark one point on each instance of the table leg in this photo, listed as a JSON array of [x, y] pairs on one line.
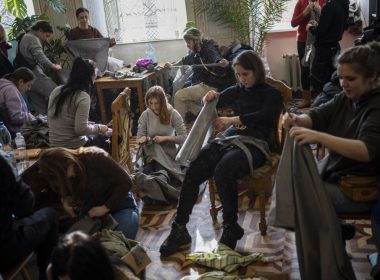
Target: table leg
[[102, 107], [140, 96]]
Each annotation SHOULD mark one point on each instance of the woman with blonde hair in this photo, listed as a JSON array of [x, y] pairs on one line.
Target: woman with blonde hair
[[160, 130], [89, 182]]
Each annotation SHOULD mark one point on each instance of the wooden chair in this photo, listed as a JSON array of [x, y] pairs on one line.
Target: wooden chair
[[121, 123], [260, 184], [19, 269]]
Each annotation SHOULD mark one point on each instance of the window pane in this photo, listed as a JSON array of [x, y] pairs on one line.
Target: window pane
[[145, 20]]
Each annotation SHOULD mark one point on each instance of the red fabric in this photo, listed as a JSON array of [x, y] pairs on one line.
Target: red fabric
[[299, 20]]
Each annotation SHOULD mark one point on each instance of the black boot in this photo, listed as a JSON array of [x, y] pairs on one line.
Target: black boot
[[231, 234], [178, 237], [348, 231]]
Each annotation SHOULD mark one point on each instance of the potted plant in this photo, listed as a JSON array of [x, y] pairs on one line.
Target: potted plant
[[22, 22], [251, 19]]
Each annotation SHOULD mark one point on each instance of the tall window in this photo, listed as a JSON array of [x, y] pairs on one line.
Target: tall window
[[145, 20], [286, 16]]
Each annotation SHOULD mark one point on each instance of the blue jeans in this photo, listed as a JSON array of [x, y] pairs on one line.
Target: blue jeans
[[128, 219]]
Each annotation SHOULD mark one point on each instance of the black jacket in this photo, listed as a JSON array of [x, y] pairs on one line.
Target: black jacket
[[16, 199]]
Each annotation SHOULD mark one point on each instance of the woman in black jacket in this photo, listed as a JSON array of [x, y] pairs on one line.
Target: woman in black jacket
[[21, 230]]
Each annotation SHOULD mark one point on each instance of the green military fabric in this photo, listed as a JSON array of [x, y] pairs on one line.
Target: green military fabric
[[224, 258], [213, 275]]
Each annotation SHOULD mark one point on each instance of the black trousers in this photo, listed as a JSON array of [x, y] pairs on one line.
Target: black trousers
[[37, 232], [226, 164], [322, 66], [305, 70]]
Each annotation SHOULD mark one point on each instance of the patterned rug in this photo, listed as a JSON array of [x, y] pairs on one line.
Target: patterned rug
[[279, 243]]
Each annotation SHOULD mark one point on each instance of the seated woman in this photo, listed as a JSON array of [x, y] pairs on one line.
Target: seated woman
[[89, 182], [257, 106], [161, 129], [69, 107], [348, 125], [78, 256], [13, 108], [21, 230], [30, 54], [205, 78]]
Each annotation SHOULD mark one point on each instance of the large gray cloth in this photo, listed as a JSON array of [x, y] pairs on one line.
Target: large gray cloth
[[199, 134], [95, 49], [309, 210], [156, 186]]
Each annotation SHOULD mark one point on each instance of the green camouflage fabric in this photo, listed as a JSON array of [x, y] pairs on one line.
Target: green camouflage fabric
[[224, 258]]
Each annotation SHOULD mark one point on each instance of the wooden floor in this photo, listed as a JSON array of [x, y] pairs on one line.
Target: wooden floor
[[280, 243]]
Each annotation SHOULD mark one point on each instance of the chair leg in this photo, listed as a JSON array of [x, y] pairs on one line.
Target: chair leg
[[25, 274], [213, 210], [262, 224]]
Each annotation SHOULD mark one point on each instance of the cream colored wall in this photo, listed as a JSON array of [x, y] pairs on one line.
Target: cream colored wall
[[280, 43]]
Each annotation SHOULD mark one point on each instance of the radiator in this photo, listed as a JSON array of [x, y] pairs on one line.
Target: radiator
[[292, 71]]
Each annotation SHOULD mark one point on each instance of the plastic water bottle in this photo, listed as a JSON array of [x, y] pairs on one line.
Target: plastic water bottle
[[21, 146], [5, 139], [150, 52]]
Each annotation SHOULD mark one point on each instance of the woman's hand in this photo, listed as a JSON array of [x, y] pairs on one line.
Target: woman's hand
[[222, 122], [167, 65], [67, 207], [311, 24], [210, 96], [305, 135], [308, 9], [98, 211], [103, 128], [224, 63], [57, 67], [159, 139], [143, 139], [289, 120], [317, 7]]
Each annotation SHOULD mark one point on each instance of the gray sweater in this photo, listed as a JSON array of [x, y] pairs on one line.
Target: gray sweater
[[149, 125], [70, 128]]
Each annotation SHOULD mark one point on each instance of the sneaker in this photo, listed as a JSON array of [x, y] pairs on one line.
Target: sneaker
[[178, 237], [231, 234]]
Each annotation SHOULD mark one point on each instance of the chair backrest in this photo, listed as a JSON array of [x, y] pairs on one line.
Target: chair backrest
[[286, 92], [121, 120]]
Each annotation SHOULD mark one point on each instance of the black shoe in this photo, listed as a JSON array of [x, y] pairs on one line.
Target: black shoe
[[348, 231], [178, 237], [231, 234]]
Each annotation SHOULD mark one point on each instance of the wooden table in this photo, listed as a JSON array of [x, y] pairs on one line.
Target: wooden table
[[131, 82]]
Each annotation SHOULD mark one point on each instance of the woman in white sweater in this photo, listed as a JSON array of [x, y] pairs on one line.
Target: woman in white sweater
[[69, 107], [160, 124]]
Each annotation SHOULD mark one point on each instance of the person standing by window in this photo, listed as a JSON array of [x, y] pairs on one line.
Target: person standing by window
[[30, 54], [328, 32], [302, 14]]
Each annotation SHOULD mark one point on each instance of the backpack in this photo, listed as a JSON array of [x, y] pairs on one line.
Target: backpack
[[20, 60]]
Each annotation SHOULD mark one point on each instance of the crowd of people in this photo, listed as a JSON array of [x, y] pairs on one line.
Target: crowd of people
[[88, 182]]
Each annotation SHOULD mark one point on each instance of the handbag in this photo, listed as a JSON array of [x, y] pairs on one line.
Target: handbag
[[359, 188]]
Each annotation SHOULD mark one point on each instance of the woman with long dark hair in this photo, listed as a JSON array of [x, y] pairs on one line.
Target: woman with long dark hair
[[14, 111], [90, 181], [69, 107], [256, 106]]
